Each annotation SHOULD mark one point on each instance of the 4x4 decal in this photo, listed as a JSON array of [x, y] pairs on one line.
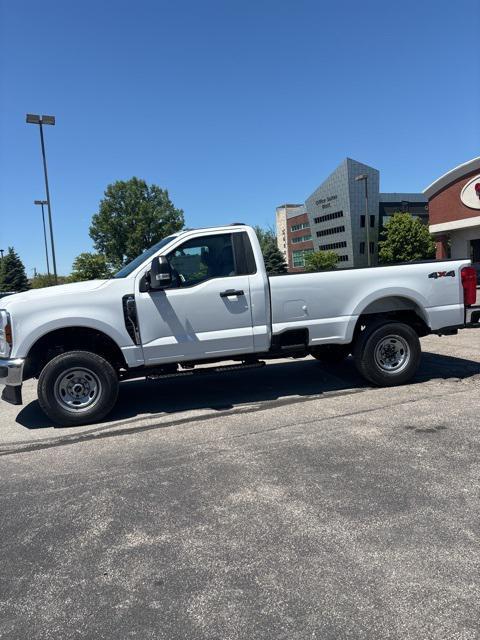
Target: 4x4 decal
[[441, 274]]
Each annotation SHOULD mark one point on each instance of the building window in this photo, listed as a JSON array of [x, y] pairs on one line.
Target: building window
[[329, 232], [301, 239], [362, 247], [298, 257], [333, 245], [298, 227], [362, 221], [372, 248], [386, 220], [475, 251], [328, 216], [343, 258]]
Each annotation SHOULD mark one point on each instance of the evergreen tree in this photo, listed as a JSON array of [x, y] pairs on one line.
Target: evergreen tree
[[272, 256], [12, 273], [266, 237], [274, 260]]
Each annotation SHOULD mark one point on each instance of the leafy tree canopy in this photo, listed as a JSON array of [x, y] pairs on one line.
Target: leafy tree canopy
[[41, 280], [272, 256], [12, 272], [404, 239], [131, 218], [90, 266], [320, 261]]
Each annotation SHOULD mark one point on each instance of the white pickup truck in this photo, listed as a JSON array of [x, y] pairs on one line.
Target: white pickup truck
[[203, 296]]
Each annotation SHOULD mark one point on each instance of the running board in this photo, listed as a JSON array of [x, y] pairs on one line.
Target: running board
[[293, 347], [152, 374]]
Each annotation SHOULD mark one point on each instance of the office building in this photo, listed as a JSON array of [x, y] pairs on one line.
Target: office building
[[335, 217]]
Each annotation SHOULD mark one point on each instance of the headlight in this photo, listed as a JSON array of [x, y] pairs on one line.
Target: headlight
[[5, 334]]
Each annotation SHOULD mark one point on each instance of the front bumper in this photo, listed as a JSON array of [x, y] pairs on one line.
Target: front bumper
[[11, 375]]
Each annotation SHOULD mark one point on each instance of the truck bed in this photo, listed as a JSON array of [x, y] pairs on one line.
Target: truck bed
[[329, 303]]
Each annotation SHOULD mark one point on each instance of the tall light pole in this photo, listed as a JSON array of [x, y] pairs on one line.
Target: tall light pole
[[364, 177], [33, 118], [42, 203]]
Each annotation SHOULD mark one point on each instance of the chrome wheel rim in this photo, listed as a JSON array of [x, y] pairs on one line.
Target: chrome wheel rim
[[392, 354], [77, 389]]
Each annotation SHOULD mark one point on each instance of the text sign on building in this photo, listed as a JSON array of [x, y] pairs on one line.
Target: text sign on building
[[325, 202], [470, 195]]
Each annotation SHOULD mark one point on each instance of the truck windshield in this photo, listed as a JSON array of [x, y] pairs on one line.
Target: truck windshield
[[136, 262]]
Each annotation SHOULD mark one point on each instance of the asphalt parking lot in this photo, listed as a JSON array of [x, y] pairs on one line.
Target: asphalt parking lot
[[289, 502]]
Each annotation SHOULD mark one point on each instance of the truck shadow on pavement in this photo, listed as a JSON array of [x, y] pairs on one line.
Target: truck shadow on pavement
[[279, 380]]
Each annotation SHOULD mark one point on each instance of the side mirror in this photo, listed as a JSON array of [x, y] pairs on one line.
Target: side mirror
[[160, 274]]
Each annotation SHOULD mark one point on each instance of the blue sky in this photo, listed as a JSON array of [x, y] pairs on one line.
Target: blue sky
[[235, 107]]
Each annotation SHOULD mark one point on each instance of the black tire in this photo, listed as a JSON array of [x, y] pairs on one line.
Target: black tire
[[77, 387], [331, 353], [387, 354]]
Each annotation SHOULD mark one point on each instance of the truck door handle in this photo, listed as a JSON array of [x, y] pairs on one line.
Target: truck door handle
[[231, 292]]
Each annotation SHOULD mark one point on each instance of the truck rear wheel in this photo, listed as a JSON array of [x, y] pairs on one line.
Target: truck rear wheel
[[77, 387], [388, 354]]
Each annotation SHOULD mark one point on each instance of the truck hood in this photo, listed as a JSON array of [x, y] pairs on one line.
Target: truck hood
[[37, 295]]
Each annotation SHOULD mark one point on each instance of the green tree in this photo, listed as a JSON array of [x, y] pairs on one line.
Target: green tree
[[274, 260], [266, 237], [320, 261], [41, 280], [272, 256], [12, 272], [131, 218], [405, 239], [90, 266]]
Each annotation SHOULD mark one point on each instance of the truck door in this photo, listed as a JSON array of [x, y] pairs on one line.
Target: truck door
[[206, 312]]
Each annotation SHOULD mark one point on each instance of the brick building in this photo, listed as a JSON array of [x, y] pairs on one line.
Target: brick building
[[454, 212], [294, 237]]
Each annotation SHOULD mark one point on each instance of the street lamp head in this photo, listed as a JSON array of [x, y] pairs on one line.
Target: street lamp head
[[40, 202], [33, 118], [362, 176]]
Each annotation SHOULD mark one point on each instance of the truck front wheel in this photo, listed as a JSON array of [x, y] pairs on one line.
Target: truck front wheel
[[387, 354], [77, 387]]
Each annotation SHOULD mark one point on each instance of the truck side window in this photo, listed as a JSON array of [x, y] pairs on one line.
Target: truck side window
[[244, 258], [201, 259]]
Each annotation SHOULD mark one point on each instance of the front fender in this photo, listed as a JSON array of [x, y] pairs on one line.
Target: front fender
[[30, 330]]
